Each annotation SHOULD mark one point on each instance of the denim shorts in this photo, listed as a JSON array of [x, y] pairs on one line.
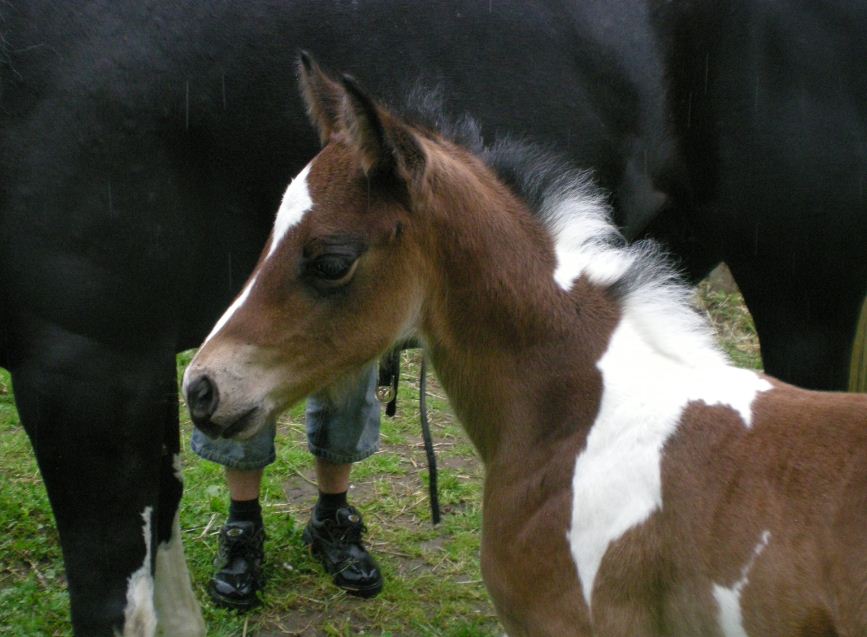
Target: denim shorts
[[340, 429]]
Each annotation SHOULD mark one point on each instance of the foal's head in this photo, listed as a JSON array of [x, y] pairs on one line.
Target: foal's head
[[341, 278]]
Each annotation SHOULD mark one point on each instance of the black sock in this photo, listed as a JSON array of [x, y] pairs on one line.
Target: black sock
[[328, 503], [245, 511]]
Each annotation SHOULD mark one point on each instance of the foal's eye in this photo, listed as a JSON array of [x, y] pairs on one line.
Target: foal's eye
[[329, 263], [332, 268]]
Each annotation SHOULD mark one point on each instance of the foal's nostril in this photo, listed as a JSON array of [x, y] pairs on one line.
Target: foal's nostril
[[202, 399]]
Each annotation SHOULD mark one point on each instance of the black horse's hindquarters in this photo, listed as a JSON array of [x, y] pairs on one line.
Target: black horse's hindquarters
[[772, 122], [145, 147]]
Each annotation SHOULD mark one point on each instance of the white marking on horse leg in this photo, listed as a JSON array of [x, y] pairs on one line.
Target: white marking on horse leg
[[177, 608], [140, 619], [178, 467], [617, 483], [731, 619]]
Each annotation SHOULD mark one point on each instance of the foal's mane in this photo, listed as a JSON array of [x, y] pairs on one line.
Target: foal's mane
[[576, 213]]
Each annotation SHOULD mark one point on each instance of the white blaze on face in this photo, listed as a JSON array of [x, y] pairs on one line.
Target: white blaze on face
[[617, 481], [238, 302], [296, 202], [731, 619], [140, 619]]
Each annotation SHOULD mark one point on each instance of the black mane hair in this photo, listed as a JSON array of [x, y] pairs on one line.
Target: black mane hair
[[559, 194]]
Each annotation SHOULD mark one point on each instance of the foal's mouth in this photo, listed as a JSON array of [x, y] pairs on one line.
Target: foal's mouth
[[237, 426], [241, 423]]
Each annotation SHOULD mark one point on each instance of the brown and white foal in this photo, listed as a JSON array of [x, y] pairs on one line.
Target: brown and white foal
[[636, 483]]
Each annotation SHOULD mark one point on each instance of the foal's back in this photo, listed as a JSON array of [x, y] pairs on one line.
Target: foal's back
[[776, 512]]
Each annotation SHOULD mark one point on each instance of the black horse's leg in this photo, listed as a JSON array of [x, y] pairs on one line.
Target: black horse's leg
[[177, 608], [95, 415], [805, 327]]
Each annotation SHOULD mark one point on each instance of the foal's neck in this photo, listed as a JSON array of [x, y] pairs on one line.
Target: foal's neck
[[515, 352]]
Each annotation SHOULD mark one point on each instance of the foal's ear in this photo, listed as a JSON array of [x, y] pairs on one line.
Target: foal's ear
[[322, 96], [387, 146]]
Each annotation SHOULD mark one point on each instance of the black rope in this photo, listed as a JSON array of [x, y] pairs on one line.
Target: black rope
[[428, 444], [386, 391]]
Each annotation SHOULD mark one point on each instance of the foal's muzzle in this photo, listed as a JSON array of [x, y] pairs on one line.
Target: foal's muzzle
[[202, 399]]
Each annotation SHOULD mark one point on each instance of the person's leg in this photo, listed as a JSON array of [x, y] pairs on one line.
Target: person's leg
[[244, 484], [244, 488], [333, 481], [332, 478], [238, 576], [342, 428]]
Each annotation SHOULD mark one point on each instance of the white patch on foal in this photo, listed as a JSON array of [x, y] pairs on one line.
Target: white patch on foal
[[296, 202], [586, 243], [731, 619], [578, 220], [617, 482], [140, 618], [661, 357]]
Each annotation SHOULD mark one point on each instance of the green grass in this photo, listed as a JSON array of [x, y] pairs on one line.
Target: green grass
[[732, 324], [433, 584], [31, 568]]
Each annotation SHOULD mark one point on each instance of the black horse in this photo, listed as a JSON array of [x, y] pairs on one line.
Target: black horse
[[145, 147]]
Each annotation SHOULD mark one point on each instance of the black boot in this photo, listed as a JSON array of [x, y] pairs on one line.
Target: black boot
[[239, 566], [336, 542]]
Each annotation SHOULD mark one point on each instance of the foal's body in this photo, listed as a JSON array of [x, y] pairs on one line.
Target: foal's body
[[771, 517], [761, 486], [636, 483]]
